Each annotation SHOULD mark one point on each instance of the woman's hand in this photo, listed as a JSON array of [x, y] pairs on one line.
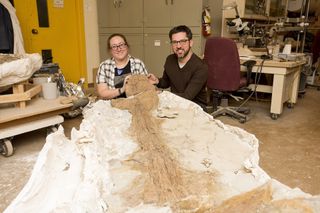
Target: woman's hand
[[123, 88], [152, 79]]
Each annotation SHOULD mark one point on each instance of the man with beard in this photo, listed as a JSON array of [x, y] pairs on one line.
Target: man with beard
[[184, 72]]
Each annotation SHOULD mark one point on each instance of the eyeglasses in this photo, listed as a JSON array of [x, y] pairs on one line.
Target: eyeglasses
[[120, 46], [181, 42]]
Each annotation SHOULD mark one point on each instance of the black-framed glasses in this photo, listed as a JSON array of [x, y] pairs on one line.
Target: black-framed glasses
[[181, 42], [120, 46]]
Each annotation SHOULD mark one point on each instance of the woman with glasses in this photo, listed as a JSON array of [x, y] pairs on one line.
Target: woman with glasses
[[184, 72], [114, 72]]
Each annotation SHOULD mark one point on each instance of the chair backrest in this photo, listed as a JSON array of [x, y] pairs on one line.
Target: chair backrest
[[222, 58]]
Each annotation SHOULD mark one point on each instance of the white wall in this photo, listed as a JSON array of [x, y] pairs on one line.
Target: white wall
[[91, 37]]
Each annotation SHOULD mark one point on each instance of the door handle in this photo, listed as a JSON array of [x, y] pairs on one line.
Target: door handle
[[34, 31]]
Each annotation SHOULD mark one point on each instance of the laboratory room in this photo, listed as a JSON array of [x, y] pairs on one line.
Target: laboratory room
[[159, 106]]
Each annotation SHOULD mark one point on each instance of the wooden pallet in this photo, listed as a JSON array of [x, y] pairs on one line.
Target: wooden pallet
[[21, 93]]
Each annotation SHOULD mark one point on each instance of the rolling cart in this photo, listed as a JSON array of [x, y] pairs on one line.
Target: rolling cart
[[39, 113]]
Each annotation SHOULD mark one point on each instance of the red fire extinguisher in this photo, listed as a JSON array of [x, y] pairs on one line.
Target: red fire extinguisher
[[206, 22]]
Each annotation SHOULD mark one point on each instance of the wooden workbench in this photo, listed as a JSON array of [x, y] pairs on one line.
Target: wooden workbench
[[285, 85]]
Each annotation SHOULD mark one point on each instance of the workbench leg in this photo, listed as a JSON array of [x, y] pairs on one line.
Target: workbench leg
[[295, 86], [277, 94]]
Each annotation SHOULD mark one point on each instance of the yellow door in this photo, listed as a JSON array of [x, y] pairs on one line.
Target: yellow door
[[56, 28]]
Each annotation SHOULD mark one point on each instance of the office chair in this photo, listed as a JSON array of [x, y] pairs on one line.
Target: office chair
[[222, 58]]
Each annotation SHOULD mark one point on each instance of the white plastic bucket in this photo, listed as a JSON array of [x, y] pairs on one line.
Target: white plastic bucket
[[50, 90]]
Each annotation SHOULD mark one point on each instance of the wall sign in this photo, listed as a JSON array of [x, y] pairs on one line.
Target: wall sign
[[58, 3]]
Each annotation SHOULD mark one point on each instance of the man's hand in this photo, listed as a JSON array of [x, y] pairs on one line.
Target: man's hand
[[152, 79]]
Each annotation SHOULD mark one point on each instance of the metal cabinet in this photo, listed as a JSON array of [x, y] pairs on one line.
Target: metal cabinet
[[120, 13], [156, 48], [167, 13]]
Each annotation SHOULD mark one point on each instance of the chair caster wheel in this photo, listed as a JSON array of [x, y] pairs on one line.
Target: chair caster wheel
[[290, 105], [274, 116]]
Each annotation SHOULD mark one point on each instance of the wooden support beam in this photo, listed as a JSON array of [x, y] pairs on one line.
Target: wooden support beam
[[19, 95]]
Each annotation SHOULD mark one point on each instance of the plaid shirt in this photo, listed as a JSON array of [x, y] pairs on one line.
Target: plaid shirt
[[106, 70]]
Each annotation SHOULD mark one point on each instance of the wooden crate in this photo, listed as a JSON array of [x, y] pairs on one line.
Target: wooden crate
[[21, 93]]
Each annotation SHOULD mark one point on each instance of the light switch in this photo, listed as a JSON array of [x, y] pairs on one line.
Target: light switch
[[157, 43]]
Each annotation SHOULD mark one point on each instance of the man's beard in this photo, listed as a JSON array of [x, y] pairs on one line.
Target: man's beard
[[184, 55]]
